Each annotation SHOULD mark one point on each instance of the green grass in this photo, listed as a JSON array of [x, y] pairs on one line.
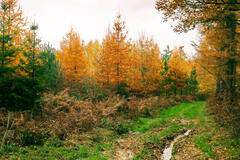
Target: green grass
[[52, 153], [202, 142], [192, 110], [89, 149], [144, 124]]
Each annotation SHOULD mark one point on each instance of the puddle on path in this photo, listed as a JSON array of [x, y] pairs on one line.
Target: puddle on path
[[167, 153]]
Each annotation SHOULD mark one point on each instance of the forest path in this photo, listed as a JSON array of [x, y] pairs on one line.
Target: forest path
[[150, 136]]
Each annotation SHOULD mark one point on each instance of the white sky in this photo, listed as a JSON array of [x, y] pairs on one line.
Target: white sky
[[91, 18]]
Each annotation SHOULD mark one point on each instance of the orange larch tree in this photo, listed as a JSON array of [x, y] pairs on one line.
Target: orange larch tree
[[104, 61], [212, 58], [72, 58], [178, 72], [13, 27], [146, 65], [92, 50], [13, 21], [135, 79], [114, 56], [151, 64]]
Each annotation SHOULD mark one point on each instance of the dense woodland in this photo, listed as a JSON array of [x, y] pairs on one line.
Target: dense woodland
[[83, 83]]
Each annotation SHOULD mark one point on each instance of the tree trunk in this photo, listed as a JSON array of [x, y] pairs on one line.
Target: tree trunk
[[231, 63], [231, 76], [218, 85]]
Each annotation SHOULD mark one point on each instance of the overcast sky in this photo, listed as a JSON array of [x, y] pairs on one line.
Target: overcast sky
[[91, 18]]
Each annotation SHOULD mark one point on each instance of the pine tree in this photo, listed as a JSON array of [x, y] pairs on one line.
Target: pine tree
[[31, 68], [192, 83], [51, 78], [166, 57]]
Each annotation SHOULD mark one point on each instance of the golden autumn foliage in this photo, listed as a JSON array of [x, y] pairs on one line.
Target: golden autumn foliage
[[211, 59], [113, 58], [135, 78], [219, 21], [92, 50], [144, 74], [191, 13], [72, 58], [178, 71], [13, 21], [207, 81], [212, 52], [119, 65], [115, 62], [12, 27], [215, 52]]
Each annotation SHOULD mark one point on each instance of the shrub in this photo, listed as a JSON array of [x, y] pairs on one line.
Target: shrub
[[226, 113], [65, 114], [88, 90], [137, 107]]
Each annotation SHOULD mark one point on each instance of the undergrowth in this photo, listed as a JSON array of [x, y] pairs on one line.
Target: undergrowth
[[74, 129], [64, 118]]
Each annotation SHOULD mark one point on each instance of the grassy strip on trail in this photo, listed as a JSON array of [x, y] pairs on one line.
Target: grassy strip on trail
[[205, 141], [150, 135]]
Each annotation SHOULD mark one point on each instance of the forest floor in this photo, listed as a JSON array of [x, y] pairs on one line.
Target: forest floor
[[145, 138]]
